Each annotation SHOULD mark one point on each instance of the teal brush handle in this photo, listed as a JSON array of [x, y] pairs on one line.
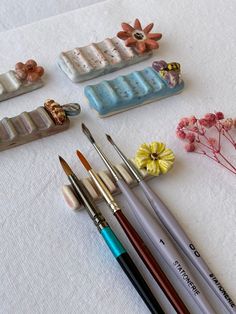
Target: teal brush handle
[[113, 243], [131, 270]]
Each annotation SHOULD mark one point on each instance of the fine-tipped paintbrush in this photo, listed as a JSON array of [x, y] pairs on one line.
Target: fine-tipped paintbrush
[[159, 237], [178, 234], [112, 241], [136, 241]]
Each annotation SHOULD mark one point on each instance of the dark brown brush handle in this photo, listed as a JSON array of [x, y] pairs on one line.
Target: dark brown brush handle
[[152, 265]]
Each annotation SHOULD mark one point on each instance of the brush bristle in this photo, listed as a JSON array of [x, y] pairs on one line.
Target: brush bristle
[[83, 160], [65, 166], [109, 139], [87, 133]]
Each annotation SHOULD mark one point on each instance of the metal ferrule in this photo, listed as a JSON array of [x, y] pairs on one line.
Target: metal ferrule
[[114, 206], [108, 164], [85, 198], [135, 172], [104, 191], [100, 221]]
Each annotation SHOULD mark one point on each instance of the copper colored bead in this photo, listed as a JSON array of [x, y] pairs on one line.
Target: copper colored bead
[[21, 74], [56, 111], [48, 102], [32, 77], [39, 70], [19, 66], [30, 64]]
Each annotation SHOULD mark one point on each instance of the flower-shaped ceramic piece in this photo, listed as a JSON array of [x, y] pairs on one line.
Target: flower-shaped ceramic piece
[[138, 37], [29, 71], [155, 158]]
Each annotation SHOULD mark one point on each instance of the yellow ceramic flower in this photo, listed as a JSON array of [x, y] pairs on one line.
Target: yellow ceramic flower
[[155, 158]]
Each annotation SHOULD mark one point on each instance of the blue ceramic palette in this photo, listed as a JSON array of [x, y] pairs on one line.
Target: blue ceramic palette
[[128, 91]]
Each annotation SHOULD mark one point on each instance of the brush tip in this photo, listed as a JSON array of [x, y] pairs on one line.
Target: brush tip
[[87, 133], [60, 158], [83, 160], [65, 166], [109, 138], [84, 128]]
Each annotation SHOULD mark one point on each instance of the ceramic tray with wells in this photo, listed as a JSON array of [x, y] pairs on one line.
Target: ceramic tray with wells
[[131, 90], [25, 78], [28, 126], [11, 86], [84, 63]]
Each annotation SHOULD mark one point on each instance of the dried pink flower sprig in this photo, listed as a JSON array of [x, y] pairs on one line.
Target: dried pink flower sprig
[[205, 136]]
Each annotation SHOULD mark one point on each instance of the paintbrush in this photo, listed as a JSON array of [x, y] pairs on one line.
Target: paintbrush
[[178, 234], [136, 241], [159, 238], [112, 241]]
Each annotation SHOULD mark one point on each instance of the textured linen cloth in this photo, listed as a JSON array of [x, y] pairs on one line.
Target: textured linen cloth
[[54, 260], [16, 13]]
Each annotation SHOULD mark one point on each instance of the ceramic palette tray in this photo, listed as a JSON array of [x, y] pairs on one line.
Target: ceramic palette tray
[[27, 127], [111, 54], [25, 78], [11, 86], [135, 89], [38, 123]]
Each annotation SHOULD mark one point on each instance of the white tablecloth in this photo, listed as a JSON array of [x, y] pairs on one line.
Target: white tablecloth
[[16, 13], [53, 260]]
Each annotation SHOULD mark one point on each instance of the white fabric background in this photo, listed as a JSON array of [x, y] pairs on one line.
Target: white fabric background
[[15, 13], [53, 260]]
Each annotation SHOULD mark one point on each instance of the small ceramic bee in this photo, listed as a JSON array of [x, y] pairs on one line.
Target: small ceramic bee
[[162, 65], [168, 71], [173, 66]]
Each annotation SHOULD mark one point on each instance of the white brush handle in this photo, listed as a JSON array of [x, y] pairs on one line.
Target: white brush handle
[[187, 246], [165, 247]]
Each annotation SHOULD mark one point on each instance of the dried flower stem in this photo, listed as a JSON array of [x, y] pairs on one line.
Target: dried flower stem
[[230, 139], [214, 159]]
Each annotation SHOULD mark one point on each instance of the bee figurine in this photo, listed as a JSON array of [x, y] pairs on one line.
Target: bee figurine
[[170, 72], [173, 66]]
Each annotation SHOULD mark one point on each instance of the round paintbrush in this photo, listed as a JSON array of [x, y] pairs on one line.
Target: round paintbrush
[[137, 242], [178, 234], [112, 241]]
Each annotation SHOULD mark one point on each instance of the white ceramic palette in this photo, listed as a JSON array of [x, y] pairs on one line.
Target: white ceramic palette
[[11, 86]]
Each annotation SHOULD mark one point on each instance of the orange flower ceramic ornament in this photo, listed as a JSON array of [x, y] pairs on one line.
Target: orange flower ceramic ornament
[[138, 37]]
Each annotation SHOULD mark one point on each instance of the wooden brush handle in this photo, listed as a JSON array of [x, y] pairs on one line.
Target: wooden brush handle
[[152, 265]]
